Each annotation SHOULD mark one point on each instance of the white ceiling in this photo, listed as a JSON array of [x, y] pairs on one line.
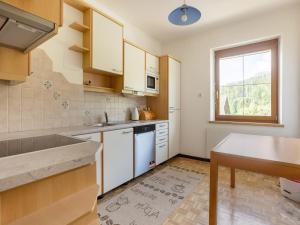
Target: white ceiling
[[152, 15]]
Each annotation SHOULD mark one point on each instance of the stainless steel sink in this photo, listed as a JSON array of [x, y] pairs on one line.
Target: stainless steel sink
[[103, 125], [113, 123]]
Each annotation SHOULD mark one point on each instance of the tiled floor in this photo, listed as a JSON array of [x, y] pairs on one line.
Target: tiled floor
[[256, 200]]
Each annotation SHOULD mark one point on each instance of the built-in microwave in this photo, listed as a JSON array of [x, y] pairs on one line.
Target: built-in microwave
[[152, 83]]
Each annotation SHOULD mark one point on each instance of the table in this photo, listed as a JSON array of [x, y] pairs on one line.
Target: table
[[275, 156]]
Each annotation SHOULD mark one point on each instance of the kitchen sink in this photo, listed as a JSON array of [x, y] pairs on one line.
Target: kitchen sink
[[113, 123]]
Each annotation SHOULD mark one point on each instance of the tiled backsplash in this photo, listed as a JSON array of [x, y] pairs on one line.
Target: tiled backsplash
[[48, 100]]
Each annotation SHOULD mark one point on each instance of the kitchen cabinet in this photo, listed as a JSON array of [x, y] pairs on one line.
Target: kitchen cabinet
[[152, 63], [97, 138], [107, 44], [162, 146], [68, 198], [117, 158], [174, 84], [47, 9], [167, 104], [174, 133], [134, 68], [9, 59]]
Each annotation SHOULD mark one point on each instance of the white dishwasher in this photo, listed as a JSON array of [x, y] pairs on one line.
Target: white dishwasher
[[97, 138], [144, 149]]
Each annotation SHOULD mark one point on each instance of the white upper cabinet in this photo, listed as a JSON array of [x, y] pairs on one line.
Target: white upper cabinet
[[134, 68], [107, 44], [152, 63], [174, 84]]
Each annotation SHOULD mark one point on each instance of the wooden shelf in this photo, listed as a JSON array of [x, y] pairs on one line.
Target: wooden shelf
[[90, 88], [78, 4], [79, 26], [79, 49]]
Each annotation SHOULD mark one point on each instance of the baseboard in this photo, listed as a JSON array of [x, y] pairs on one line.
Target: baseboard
[[194, 157]]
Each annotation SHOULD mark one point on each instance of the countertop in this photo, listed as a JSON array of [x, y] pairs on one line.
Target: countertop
[[78, 130], [17, 170]]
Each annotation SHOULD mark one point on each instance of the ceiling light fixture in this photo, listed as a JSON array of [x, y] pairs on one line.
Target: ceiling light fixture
[[184, 15]]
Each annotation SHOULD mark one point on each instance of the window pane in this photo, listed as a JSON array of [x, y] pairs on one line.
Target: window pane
[[257, 101], [231, 100], [257, 68], [231, 71]]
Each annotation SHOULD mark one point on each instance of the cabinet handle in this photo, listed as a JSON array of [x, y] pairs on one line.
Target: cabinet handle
[[126, 132], [162, 139], [87, 139], [126, 87], [118, 71], [162, 146]]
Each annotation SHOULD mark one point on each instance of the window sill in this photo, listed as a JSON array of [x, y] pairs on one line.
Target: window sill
[[247, 123]]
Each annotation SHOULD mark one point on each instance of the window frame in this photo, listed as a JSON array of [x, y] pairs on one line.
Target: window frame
[[248, 49]]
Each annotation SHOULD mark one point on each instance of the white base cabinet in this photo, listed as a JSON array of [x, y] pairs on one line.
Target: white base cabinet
[[174, 133], [162, 145], [117, 158]]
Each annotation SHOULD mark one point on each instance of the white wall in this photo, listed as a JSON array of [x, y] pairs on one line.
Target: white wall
[[197, 135], [69, 63]]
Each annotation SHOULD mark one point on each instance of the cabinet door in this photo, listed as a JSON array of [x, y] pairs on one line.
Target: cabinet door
[[174, 84], [117, 158], [134, 74], [107, 47], [97, 138], [174, 133], [152, 63], [161, 153]]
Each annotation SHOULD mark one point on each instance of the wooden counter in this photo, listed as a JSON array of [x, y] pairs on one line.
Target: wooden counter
[[275, 156]]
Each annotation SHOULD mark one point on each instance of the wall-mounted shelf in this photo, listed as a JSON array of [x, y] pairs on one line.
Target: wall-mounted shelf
[[79, 49], [79, 26], [98, 89]]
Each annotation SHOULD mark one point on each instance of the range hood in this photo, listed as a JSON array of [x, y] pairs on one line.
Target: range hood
[[22, 30]]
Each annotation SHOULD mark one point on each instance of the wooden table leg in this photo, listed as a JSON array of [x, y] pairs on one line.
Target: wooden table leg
[[232, 176], [213, 192]]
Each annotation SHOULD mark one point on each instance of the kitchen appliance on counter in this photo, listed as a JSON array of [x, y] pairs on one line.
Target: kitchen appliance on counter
[[144, 149], [135, 114], [23, 30], [147, 115], [152, 83]]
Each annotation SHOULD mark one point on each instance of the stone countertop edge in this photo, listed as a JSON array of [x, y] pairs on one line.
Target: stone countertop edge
[[22, 169], [78, 130]]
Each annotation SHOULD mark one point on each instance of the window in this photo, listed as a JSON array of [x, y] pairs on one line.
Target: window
[[246, 83]]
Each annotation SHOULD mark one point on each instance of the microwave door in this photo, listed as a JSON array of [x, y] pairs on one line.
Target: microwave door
[[151, 82]]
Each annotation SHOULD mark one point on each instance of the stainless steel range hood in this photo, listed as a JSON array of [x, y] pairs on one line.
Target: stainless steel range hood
[[22, 30]]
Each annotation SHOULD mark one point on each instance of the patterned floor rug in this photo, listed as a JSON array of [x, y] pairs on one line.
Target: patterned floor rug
[[150, 201]]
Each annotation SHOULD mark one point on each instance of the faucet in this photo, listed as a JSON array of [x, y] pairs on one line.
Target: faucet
[[106, 117]]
